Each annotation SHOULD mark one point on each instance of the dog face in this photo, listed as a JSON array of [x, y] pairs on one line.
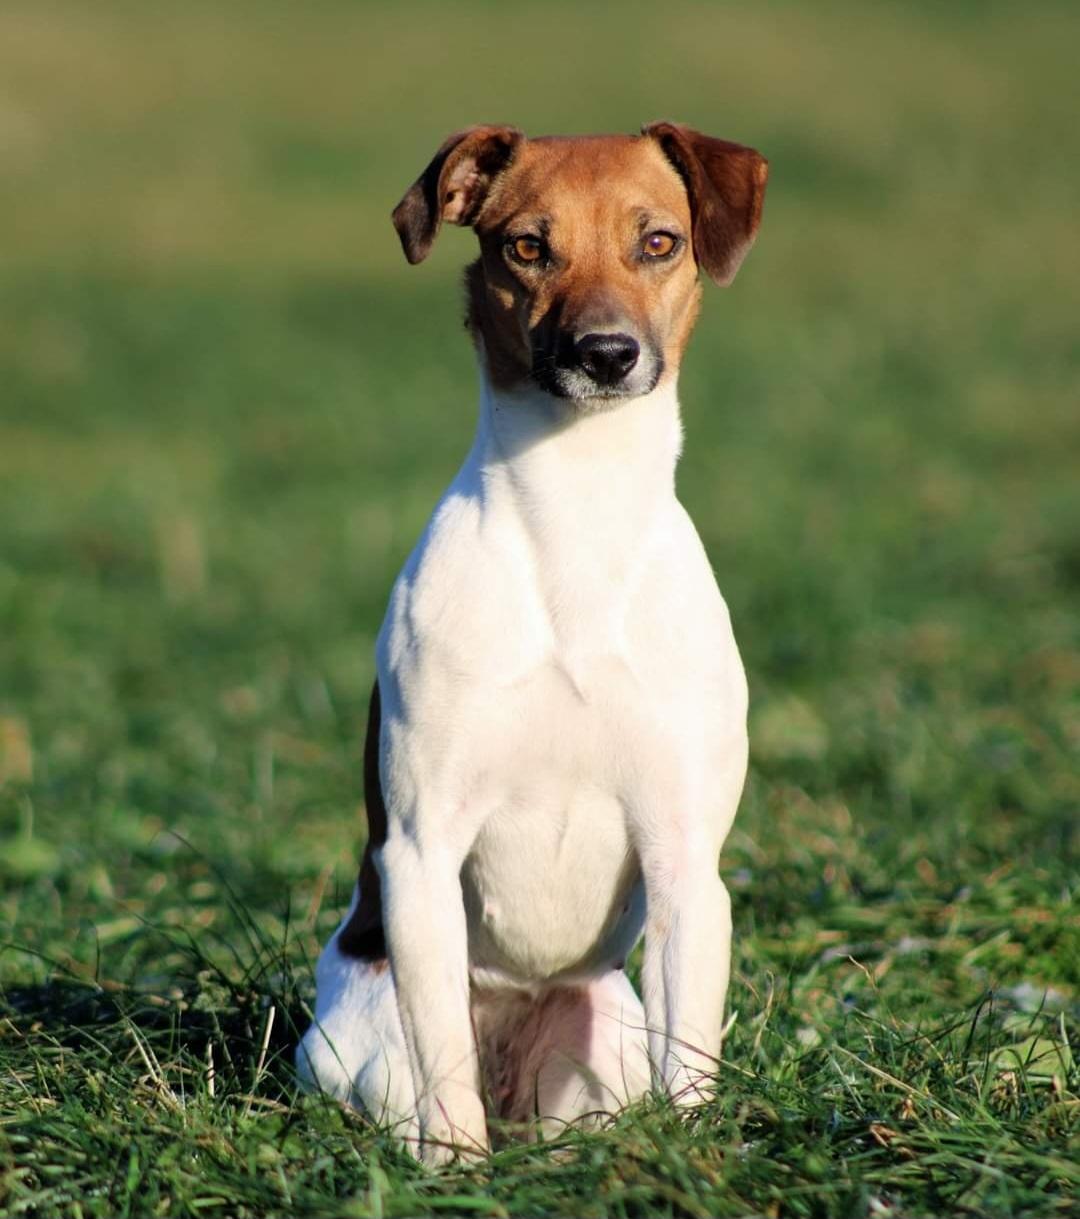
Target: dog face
[[587, 281]]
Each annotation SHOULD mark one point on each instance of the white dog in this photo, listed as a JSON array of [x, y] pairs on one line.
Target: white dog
[[557, 739]]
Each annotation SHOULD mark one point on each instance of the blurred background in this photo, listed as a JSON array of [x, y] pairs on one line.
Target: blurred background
[[227, 406]]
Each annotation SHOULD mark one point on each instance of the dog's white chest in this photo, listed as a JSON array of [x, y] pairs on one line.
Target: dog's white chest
[[549, 879], [556, 667]]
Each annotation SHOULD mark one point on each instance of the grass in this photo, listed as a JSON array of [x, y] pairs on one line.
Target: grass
[[226, 406]]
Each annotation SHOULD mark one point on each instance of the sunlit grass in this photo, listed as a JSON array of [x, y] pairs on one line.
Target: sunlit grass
[[226, 407]]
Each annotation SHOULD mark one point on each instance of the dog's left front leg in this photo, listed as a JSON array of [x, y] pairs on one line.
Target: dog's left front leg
[[424, 921], [687, 928], [685, 970]]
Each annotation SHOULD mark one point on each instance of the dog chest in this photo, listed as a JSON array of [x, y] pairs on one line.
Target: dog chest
[[541, 785], [559, 677], [549, 885]]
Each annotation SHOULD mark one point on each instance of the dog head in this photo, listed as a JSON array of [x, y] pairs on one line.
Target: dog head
[[587, 281]]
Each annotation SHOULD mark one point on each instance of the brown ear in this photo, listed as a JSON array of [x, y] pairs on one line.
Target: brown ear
[[726, 185], [454, 186]]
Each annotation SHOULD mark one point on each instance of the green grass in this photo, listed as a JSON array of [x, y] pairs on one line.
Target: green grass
[[226, 406]]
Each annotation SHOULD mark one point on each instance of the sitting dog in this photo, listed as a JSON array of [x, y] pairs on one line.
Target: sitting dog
[[556, 743]]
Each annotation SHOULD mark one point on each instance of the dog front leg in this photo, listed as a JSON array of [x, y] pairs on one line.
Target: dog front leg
[[685, 971], [424, 921]]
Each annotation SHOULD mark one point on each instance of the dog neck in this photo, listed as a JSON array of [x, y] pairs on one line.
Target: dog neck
[[587, 485], [610, 458]]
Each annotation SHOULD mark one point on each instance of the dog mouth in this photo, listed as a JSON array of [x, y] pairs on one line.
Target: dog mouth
[[577, 387]]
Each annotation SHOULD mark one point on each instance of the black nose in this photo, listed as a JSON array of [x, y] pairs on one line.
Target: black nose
[[607, 358]]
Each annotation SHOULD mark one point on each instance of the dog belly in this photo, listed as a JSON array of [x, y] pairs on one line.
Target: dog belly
[[552, 889]]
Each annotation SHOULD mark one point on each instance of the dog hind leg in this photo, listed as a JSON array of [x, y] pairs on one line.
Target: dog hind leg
[[355, 1050]]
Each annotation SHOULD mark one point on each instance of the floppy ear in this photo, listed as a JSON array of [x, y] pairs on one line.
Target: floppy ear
[[726, 185], [454, 185]]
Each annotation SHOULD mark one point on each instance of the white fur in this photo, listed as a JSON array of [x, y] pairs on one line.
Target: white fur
[[355, 1050], [563, 748]]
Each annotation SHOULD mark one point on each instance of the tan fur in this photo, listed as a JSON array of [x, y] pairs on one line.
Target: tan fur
[[594, 198]]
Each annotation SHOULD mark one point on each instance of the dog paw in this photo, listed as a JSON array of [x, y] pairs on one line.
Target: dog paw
[[446, 1136]]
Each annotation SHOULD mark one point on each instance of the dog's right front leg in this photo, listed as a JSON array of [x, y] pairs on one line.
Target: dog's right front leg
[[424, 922]]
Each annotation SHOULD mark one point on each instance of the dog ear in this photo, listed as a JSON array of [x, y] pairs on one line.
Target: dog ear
[[726, 185], [454, 186]]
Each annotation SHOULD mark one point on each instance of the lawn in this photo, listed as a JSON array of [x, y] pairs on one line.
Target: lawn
[[226, 407]]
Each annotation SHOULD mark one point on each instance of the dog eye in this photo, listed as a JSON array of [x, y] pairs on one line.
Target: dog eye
[[527, 249], [659, 245]]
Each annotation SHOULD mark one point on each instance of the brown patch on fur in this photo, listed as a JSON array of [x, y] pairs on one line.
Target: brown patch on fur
[[362, 936], [509, 358], [592, 200]]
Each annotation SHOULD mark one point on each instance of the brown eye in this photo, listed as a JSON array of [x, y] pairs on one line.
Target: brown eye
[[528, 249], [659, 245]]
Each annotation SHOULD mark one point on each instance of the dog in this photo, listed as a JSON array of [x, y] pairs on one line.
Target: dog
[[556, 743]]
